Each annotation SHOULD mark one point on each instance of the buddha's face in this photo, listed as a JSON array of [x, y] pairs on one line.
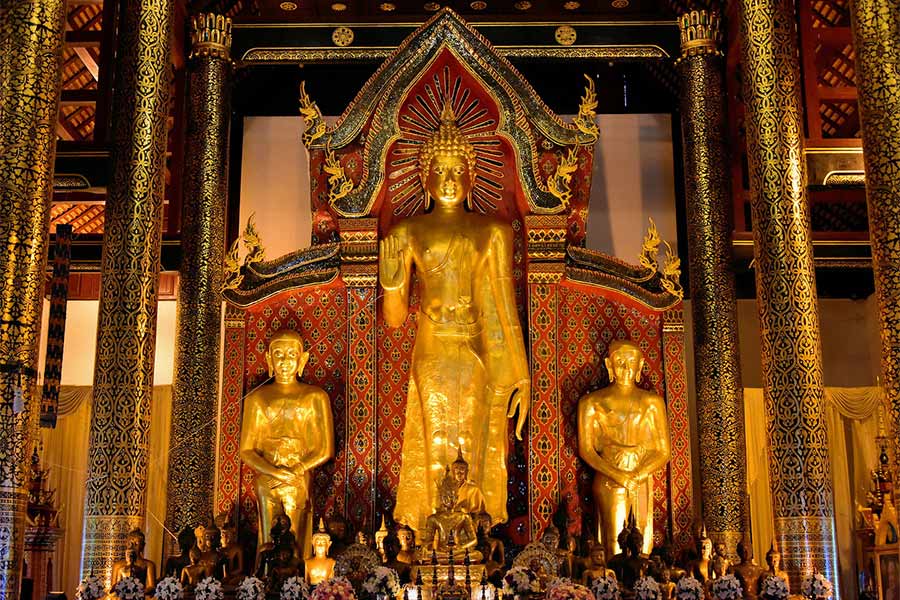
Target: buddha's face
[[448, 180], [460, 472], [406, 539], [774, 560], [286, 358], [706, 549], [321, 544], [337, 528], [135, 543], [625, 365], [598, 555], [229, 536]]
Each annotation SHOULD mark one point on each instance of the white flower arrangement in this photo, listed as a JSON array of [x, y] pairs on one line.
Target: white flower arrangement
[[774, 588], [336, 588], [816, 587], [250, 588], [606, 588], [169, 589], [689, 588], [382, 581], [128, 588], [646, 588], [294, 588], [727, 588], [90, 588], [209, 589], [520, 580]]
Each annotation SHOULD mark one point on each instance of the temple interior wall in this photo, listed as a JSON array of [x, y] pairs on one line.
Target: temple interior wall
[[633, 179]]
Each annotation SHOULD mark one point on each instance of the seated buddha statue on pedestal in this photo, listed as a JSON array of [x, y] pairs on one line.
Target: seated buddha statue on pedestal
[[320, 567], [447, 521]]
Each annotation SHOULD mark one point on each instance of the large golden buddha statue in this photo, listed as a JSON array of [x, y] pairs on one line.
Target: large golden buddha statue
[[286, 432], [469, 369], [623, 434]]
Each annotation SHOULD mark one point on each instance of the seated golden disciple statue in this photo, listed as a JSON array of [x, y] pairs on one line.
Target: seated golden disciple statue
[[407, 540], [134, 564], [450, 521], [207, 543], [623, 434], [195, 572], [469, 369], [232, 556], [746, 571], [286, 432], [597, 567], [773, 564], [320, 567]]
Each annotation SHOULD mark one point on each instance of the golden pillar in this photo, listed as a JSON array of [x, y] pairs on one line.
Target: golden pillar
[[192, 451], [126, 329], [786, 291], [31, 34], [717, 367], [876, 38]]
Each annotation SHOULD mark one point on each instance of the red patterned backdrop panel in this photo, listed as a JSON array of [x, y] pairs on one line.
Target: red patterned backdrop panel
[[361, 406], [681, 501], [320, 316], [588, 322], [229, 468], [544, 442]]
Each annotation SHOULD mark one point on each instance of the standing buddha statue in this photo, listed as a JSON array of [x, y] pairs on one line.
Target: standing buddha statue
[[623, 434], [469, 370], [287, 431]]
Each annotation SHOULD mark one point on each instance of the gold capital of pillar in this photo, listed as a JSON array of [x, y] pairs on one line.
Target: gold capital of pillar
[[30, 69], [118, 460], [717, 367], [803, 505], [211, 36]]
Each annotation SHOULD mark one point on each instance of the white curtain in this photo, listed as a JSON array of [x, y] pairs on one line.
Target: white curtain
[[852, 416], [65, 452]]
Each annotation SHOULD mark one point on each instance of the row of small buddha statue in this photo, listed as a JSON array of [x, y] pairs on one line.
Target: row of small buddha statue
[[708, 563]]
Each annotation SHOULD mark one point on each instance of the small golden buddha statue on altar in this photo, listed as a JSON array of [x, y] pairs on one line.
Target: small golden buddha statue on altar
[[134, 564], [232, 556], [468, 496], [773, 564], [186, 541], [320, 567], [286, 432], [380, 536], [208, 543], [623, 434], [492, 549], [450, 521], [701, 569], [469, 368], [597, 567], [407, 540], [746, 571], [196, 571]]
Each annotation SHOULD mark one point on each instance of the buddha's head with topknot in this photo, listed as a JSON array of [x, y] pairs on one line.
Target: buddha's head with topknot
[[447, 163]]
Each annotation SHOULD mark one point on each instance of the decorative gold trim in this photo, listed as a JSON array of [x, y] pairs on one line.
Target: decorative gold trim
[[342, 36], [315, 124], [339, 185], [565, 35], [233, 276], [474, 23], [253, 243], [586, 119], [558, 184], [845, 178], [70, 181], [211, 36], [300, 54]]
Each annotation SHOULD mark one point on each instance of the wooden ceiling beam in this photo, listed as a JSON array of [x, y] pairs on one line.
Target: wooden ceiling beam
[[64, 132], [89, 62]]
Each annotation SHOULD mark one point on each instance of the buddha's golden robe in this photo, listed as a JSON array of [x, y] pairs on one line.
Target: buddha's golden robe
[[468, 358]]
